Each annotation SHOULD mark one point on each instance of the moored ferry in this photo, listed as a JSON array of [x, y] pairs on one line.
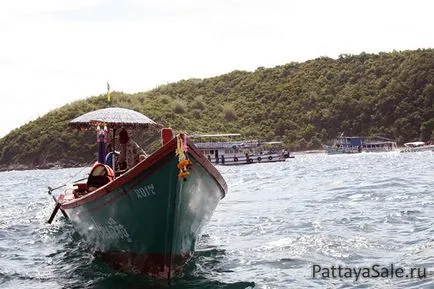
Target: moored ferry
[[356, 144], [226, 149]]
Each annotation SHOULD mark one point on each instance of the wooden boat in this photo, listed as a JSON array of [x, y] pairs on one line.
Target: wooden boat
[[149, 219], [417, 146], [224, 149], [355, 144]]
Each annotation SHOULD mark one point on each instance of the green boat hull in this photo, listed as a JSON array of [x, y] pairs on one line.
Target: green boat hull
[[149, 220]]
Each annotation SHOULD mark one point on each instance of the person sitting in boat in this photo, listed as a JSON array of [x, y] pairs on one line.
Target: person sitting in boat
[[130, 152], [110, 158]]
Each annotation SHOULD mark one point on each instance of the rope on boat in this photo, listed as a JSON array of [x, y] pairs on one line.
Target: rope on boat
[[50, 189]]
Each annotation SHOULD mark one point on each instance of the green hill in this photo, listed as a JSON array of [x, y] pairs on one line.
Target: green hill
[[302, 104]]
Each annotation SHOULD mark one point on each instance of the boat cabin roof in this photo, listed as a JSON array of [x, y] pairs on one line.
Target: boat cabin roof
[[214, 135]]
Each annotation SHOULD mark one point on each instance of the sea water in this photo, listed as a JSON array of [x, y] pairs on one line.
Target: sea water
[[314, 221]]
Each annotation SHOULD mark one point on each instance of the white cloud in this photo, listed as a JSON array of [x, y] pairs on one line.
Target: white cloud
[[53, 52]]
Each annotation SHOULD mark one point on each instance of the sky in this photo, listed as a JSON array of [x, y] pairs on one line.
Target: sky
[[53, 52]]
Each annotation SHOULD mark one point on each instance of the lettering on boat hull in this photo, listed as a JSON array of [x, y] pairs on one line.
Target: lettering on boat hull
[[145, 191], [112, 231]]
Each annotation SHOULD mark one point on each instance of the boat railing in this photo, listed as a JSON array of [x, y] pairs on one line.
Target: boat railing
[[246, 158]]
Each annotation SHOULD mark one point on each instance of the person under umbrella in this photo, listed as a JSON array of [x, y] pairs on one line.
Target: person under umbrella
[[130, 152]]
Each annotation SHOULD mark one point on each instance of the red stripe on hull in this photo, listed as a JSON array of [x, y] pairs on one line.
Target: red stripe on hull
[[152, 265]]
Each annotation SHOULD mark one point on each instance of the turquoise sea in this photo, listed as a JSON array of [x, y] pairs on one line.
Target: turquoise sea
[[302, 223]]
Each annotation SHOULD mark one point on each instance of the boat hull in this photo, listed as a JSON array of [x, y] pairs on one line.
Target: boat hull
[[426, 148], [241, 159], [339, 151], [149, 220]]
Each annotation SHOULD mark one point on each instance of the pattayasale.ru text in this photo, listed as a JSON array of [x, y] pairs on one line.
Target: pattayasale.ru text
[[374, 271]]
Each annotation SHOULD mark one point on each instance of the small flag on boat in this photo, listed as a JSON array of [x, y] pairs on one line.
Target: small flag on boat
[[108, 92]]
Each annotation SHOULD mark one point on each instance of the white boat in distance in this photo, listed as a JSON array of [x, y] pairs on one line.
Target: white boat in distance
[[226, 149], [417, 146]]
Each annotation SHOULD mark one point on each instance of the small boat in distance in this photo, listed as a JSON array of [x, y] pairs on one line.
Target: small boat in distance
[[355, 144], [228, 149], [148, 219], [417, 146]]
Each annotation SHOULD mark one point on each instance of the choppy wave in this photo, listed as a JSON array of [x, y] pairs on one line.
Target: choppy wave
[[276, 222]]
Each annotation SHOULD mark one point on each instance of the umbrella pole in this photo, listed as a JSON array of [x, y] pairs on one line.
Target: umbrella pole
[[114, 150]]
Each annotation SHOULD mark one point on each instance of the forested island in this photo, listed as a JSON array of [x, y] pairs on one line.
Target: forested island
[[301, 104]]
